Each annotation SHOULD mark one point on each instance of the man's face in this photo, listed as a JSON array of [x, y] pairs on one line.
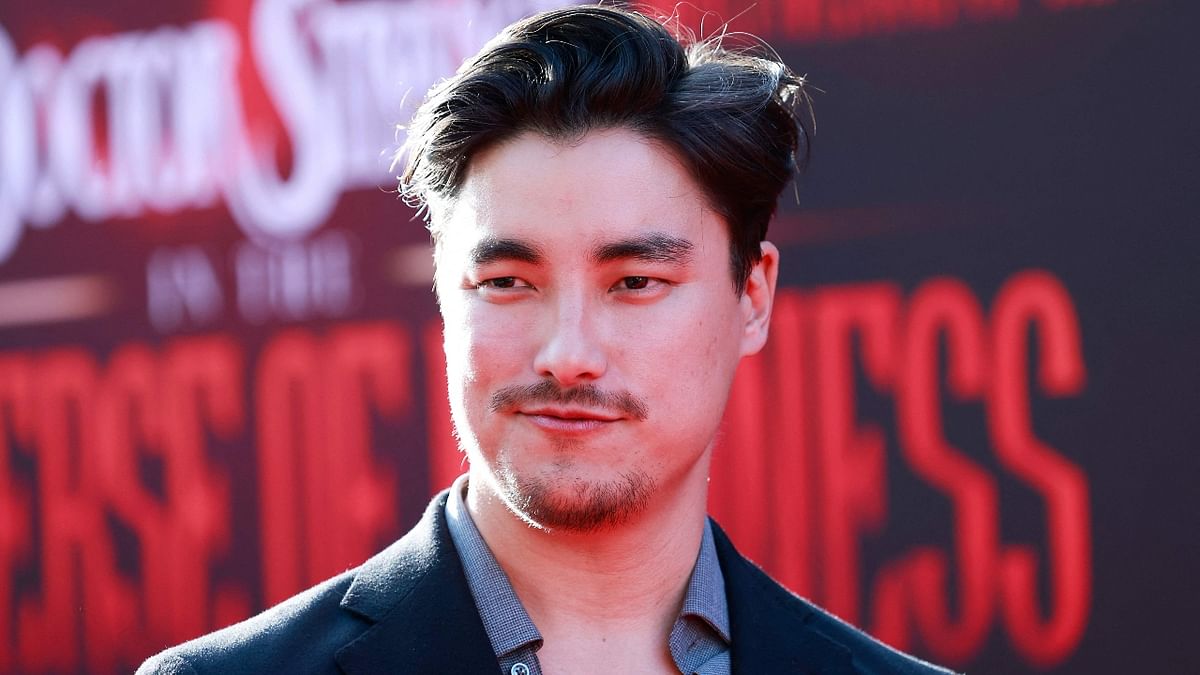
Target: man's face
[[591, 325]]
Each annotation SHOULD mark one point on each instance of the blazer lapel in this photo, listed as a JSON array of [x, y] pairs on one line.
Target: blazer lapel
[[769, 625], [424, 620], [416, 596]]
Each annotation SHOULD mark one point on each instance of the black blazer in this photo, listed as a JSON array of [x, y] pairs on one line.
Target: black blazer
[[409, 610]]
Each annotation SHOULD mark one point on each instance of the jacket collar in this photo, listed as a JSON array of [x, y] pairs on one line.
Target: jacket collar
[[425, 621], [424, 617], [772, 632]]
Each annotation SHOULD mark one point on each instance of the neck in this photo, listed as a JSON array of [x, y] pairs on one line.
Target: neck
[[631, 576]]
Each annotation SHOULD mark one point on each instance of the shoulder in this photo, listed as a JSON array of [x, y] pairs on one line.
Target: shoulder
[[305, 633], [869, 656], [774, 618], [301, 634]]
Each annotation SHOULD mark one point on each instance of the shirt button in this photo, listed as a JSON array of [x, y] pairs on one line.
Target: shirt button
[[519, 669]]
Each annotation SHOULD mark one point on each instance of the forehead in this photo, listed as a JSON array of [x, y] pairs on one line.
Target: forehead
[[610, 184]]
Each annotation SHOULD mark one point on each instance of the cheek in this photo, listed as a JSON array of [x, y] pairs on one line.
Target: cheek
[[681, 355], [481, 342]]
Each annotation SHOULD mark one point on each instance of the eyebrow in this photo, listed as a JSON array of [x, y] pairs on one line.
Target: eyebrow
[[493, 249], [649, 247]]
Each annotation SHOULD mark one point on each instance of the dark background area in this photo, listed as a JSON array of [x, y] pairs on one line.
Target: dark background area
[[1056, 139]]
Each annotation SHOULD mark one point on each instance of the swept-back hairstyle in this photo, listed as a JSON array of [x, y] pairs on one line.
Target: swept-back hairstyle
[[737, 119]]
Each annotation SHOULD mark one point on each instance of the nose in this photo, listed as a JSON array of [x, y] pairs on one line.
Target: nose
[[572, 351]]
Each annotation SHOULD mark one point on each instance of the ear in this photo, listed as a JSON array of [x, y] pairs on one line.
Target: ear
[[758, 298]]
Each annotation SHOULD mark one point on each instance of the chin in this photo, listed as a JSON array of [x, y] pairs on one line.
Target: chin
[[577, 504]]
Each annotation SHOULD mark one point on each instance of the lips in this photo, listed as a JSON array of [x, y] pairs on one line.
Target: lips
[[581, 402], [570, 414], [568, 419]]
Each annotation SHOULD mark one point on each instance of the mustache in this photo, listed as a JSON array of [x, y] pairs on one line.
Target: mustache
[[588, 395]]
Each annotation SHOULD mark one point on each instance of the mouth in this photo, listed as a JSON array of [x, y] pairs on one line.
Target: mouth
[[572, 420]]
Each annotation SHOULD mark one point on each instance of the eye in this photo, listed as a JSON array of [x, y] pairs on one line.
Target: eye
[[640, 287], [503, 283]]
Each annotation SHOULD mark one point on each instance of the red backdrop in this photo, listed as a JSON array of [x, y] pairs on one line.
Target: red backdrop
[[221, 377]]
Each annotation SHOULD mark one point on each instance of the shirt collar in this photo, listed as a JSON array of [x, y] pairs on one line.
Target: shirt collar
[[505, 620], [705, 595]]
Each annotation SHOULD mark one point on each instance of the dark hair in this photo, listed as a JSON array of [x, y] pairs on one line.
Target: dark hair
[[732, 116]]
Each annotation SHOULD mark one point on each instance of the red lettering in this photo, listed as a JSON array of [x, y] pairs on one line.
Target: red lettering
[[87, 432], [1037, 300], [368, 371], [798, 477], [931, 14], [16, 541], [80, 586], [844, 20], [446, 461], [787, 468], [739, 468], [288, 406], [889, 605], [808, 20], [202, 397], [129, 417], [801, 18], [325, 500], [947, 307], [156, 407], [760, 468], [851, 455]]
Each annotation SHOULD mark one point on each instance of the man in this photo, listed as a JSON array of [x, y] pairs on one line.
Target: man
[[598, 196]]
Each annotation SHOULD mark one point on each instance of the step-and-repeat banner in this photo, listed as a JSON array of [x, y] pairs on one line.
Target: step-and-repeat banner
[[973, 431]]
